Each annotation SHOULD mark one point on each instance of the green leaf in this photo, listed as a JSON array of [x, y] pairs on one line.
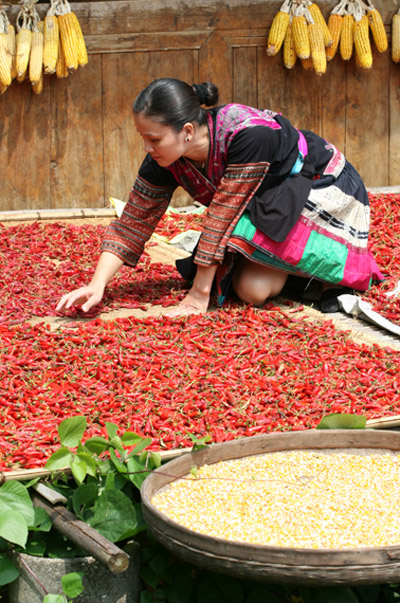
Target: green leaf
[[116, 443], [84, 496], [146, 597], [137, 472], [194, 470], [79, 471], [130, 438], [36, 547], [149, 577], [114, 515], [91, 466], [8, 571], [13, 527], [54, 599], [140, 446], [96, 445], [71, 431], [119, 465], [112, 430], [342, 421], [42, 521], [60, 459], [15, 496], [72, 584]]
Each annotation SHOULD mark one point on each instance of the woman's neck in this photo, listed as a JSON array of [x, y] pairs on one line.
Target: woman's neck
[[199, 147]]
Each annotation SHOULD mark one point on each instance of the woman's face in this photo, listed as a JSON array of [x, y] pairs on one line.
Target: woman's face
[[164, 144]]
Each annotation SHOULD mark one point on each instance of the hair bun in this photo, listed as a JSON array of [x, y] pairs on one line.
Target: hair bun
[[207, 93], [201, 91]]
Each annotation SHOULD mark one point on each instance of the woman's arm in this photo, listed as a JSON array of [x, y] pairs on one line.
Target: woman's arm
[[198, 298], [87, 297]]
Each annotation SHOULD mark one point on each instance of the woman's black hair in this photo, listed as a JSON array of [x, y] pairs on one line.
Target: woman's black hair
[[173, 102]]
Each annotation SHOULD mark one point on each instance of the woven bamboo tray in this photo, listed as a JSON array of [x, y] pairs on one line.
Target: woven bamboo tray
[[267, 563]]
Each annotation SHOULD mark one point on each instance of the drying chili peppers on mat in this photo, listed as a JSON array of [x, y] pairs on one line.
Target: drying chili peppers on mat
[[233, 373]]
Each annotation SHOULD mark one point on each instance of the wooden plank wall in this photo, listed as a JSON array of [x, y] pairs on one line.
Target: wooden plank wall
[[75, 145]]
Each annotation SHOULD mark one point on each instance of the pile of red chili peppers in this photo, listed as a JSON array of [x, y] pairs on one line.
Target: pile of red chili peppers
[[232, 373]]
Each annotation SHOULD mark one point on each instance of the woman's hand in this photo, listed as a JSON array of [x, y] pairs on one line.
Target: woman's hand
[[198, 298], [191, 304], [85, 297]]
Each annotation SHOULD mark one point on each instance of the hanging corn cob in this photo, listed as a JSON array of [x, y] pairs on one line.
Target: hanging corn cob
[[347, 37], [27, 22], [300, 32], [362, 44], [335, 24], [72, 40], [36, 59], [36, 55], [51, 38], [318, 18], [377, 27], [12, 49], [278, 29], [396, 37], [61, 68], [5, 56], [317, 46], [289, 53]]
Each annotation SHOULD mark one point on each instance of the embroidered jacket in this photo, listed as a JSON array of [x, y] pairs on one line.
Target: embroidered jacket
[[250, 165]]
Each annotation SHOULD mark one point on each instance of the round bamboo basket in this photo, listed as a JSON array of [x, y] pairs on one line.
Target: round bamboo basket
[[367, 565]]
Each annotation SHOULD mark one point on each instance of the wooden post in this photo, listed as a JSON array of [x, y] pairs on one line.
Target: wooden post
[[80, 533]]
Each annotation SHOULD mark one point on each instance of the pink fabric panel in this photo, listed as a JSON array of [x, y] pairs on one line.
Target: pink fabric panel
[[359, 269], [291, 250]]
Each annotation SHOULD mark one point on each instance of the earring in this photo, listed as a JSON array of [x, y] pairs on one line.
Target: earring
[[187, 139]]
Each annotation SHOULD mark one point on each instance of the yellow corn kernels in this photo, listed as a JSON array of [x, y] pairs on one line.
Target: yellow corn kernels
[[5, 61], [61, 68], [277, 32], [289, 53], [69, 41], [362, 44], [24, 42], [300, 36], [377, 29], [81, 45], [319, 19], [347, 37], [296, 499], [51, 41], [37, 87], [12, 49], [36, 57], [317, 48], [335, 23], [396, 38]]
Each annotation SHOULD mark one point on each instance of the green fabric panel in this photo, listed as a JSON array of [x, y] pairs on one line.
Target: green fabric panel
[[323, 258], [245, 228], [270, 261]]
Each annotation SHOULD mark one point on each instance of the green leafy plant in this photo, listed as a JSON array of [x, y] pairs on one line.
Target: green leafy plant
[[100, 478]]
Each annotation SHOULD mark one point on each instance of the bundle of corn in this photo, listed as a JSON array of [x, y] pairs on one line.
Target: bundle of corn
[[335, 24], [350, 23], [300, 26], [6, 52], [72, 44], [278, 29], [362, 43], [396, 37], [377, 27], [27, 22]]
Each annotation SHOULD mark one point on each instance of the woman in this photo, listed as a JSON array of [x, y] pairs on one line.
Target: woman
[[280, 201]]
